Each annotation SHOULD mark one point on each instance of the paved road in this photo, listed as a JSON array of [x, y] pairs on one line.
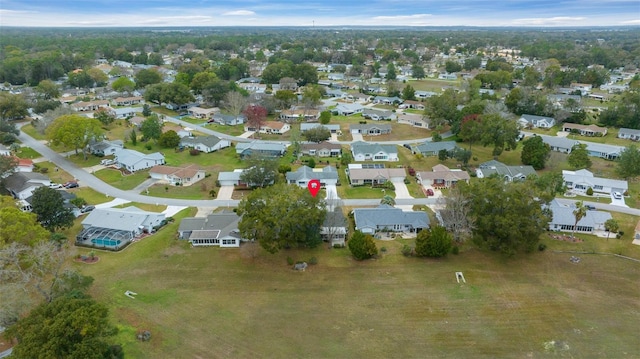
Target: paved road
[[604, 206]]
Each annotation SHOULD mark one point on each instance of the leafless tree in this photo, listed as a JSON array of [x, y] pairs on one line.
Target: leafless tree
[[48, 117], [455, 215], [235, 103], [250, 250]]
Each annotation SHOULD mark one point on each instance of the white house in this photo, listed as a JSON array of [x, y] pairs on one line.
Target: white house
[[135, 161], [105, 147], [301, 177], [348, 109], [508, 173], [359, 176], [629, 134], [22, 184], [582, 180], [533, 121], [563, 219], [366, 151], [205, 144], [217, 229], [387, 218], [177, 176]]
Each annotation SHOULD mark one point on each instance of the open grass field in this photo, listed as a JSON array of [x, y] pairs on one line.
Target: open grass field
[[214, 303], [117, 179]]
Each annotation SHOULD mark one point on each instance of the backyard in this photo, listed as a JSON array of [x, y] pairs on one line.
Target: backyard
[[212, 302]]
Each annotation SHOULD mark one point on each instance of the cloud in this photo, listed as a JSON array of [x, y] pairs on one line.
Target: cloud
[[239, 13], [631, 22], [557, 20], [402, 17]]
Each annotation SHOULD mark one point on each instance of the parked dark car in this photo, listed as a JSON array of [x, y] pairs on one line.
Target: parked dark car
[[71, 184], [429, 192], [590, 207], [86, 209]]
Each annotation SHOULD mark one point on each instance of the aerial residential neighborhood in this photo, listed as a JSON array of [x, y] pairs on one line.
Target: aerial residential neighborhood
[[209, 189]]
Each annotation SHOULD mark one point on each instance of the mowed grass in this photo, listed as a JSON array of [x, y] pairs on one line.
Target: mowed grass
[[213, 303], [117, 179]]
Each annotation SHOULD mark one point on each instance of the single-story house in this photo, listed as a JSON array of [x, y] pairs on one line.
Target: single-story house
[[585, 130], [298, 114], [429, 148], [205, 144], [334, 228], [387, 100], [202, 113], [178, 176], [559, 144], [367, 151], [563, 219], [447, 76], [105, 147], [231, 178], [418, 105], [348, 109], [601, 150], [217, 229], [22, 184], [359, 176], [424, 94], [271, 127], [508, 173], [24, 165], [116, 227], [269, 149], [135, 161], [413, 119], [228, 120], [125, 112], [378, 115], [332, 128], [360, 97], [582, 180], [127, 101], [90, 105], [442, 177], [629, 134], [533, 121], [252, 87], [370, 129], [67, 197], [387, 218], [301, 177], [322, 149]]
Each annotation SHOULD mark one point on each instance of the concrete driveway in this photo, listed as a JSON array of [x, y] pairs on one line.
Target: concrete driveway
[[618, 202], [402, 192], [357, 137], [225, 192]]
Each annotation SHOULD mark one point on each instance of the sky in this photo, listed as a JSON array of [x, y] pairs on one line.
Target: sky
[[172, 13]]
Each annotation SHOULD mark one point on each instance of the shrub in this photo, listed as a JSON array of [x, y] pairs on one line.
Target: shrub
[[338, 245], [290, 261], [406, 181], [436, 242], [148, 146], [589, 191], [362, 246], [455, 250], [194, 152], [313, 261], [621, 232], [44, 170], [406, 251], [383, 249], [542, 247]]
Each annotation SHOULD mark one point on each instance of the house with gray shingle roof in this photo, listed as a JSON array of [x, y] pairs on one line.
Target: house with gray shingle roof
[[334, 228], [563, 219], [367, 151], [205, 144], [22, 184], [508, 173], [105, 147], [228, 120], [378, 115], [533, 121], [269, 149], [347, 109], [387, 218], [429, 148], [559, 144], [301, 177], [629, 134], [333, 128], [217, 229], [582, 180], [370, 129], [135, 161], [387, 100], [322, 149]]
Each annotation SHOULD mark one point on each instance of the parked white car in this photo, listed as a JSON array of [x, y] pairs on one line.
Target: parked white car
[[54, 185], [617, 195]]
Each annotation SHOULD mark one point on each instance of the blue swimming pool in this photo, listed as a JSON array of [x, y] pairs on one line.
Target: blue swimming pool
[[106, 242]]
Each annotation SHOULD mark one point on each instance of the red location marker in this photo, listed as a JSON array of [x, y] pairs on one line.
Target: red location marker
[[314, 187]]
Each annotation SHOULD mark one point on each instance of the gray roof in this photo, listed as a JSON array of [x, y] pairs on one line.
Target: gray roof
[[385, 215], [103, 145], [131, 157], [229, 176], [208, 141], [628, 131], [563, 214], [216, 225], [335, 218], [436, 147], [603, 148], [224, 118], [492, 167], [388, 99], [559, 142], [307, 173], [532, 118], [125, 219], [19, 181], [379, 113], [368, 126], [260, 146], [368, 147], [586, 177], [308, 126]]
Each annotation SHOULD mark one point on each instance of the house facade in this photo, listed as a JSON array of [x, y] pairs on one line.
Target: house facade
[[370, 129], [585, 130], [580, 181], [105, 147], [629, 134], [332, 128], [322, 149], [359, 176], [533, 121], [366, 151], [334, 228], [269, 149], [206, 144], [378, 115], [413, 119], [442, 177], [135, 161], [202, 113], [564, 220], [177, 176], [217, 229], [348, 109], [228, 120], [387, 218], [22, 184], [429, 148], [301, 177]]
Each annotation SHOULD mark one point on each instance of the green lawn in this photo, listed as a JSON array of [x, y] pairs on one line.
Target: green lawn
[[31, 131], [217, 303], [199, 190], [28, 152], [117, 179]]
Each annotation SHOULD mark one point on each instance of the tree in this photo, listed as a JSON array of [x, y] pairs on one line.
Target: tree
[[282, 216], [146, 110], [66, 328], [549, 184], [133, 136], [8, 165], [147, 77], [408, 93], [74, 131], [285, 98], [417, 71], [325, 117], [471, 129], [123, 84], [169, 139], [579, 157], [260, 172], [151, 128], [104, 116], [452, 66], [444, 109], [388, 200], [48, 205], [47, 89], [508, 216], [256, 115], [433, 243], [18, 226], [391, 72], [456, 215], [362, 246], [578, 213], [235, 102], [98, 77], [12, 107], [317, 134], [628, 163], [499, 132], [611, 225], [535, 152], [461, 155]]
